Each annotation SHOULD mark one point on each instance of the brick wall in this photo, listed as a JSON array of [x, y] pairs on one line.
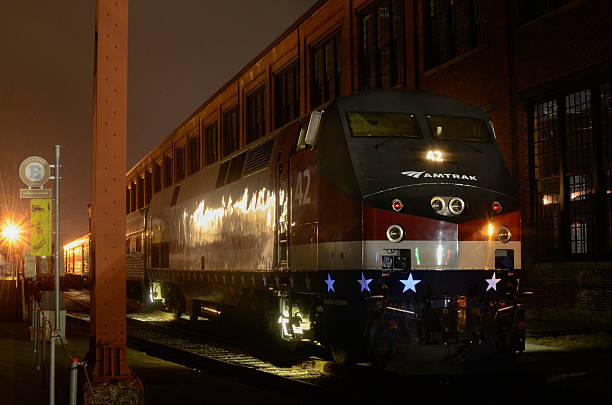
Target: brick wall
[[571, 295]]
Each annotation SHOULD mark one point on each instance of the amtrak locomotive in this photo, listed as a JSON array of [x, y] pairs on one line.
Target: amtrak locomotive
[[385, 222]]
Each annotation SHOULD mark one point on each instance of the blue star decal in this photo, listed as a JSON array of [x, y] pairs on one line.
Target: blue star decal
[[364, 283], [410, 283], [330, 283]]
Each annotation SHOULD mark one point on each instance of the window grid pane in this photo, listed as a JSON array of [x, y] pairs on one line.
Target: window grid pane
[[546, 165], [231, 135], [194, 154], [572, 164], [381, 51], [256, 121], [167, 170], [180, 163], [453, 27], [286, 96], [326, 71], [210, 144], [606, 129], [579, 146], [156, 177]]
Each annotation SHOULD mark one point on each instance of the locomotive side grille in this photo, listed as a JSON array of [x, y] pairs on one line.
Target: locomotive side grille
[[258, 158], [175, 195], [235, 170], [222, 174]]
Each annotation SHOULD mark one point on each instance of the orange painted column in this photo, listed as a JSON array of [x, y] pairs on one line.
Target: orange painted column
[[108, 296]]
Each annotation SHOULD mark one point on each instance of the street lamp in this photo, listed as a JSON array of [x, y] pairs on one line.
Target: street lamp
[[11, 233]]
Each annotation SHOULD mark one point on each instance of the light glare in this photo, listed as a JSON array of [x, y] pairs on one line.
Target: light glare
[[11, 232]]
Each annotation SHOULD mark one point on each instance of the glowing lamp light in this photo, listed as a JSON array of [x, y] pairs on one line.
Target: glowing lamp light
[[397, 205], [496, 207], [11, 232], [490, 230]]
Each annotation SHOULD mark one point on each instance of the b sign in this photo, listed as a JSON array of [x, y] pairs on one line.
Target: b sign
[[34, 171]]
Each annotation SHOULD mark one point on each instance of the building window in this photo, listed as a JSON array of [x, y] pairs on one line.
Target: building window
[[231, 134], [572, 186], [156, 177], [148, 187], [286, 95], [138, 241], [530, 9], [133, 197], [381, 51], [179, 160], [167, 170], [453, 27], [140, 192], [210, 144], [326, 71], [194, 154], [255, 115]]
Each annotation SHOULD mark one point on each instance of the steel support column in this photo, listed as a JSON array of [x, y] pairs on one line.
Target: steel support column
[[107, 345]]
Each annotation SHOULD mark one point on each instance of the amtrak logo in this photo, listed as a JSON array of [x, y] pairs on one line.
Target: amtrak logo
[[425, 174]]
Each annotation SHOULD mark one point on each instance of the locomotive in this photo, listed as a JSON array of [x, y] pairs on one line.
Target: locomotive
[[385, 222]]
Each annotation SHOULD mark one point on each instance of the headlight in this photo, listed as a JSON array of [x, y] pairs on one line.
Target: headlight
[[456, 206], [503, 234], [395, 233], [437, 204]]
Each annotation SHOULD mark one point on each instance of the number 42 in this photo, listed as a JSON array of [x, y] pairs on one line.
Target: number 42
[[302, 197]]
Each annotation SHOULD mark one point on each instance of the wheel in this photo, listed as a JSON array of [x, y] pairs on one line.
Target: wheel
[[177, 303], [178, 306]]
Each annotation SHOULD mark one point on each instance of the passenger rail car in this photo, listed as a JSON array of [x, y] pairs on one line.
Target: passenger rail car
[[77, 262], [390, 225], [78, 265]]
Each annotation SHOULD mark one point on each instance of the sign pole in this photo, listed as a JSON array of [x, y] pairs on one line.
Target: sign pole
[[55, 332], [57, 241]]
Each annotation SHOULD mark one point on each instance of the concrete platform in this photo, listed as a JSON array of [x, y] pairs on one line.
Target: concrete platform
[[164, 382]]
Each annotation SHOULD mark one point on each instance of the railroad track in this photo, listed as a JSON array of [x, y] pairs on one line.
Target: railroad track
[[194, 345], [206, 346]]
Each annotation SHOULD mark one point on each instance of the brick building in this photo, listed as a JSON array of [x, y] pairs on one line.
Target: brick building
[[541, 69]]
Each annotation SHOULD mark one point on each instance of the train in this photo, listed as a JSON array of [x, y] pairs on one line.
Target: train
[[385, 222], [77, 263]]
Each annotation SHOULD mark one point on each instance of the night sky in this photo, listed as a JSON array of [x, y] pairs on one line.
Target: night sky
[[180, 52]]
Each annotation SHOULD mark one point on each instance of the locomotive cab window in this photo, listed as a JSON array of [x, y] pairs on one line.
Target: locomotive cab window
[[379, 124], [459, 128]]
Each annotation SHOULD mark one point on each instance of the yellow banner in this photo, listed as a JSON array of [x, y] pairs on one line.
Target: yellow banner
[[40, 234]]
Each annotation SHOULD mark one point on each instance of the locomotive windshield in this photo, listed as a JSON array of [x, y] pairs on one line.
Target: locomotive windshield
[[458, 128], [379, 124]]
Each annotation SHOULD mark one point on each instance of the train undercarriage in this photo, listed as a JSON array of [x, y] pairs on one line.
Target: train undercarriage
[[446, 329]]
